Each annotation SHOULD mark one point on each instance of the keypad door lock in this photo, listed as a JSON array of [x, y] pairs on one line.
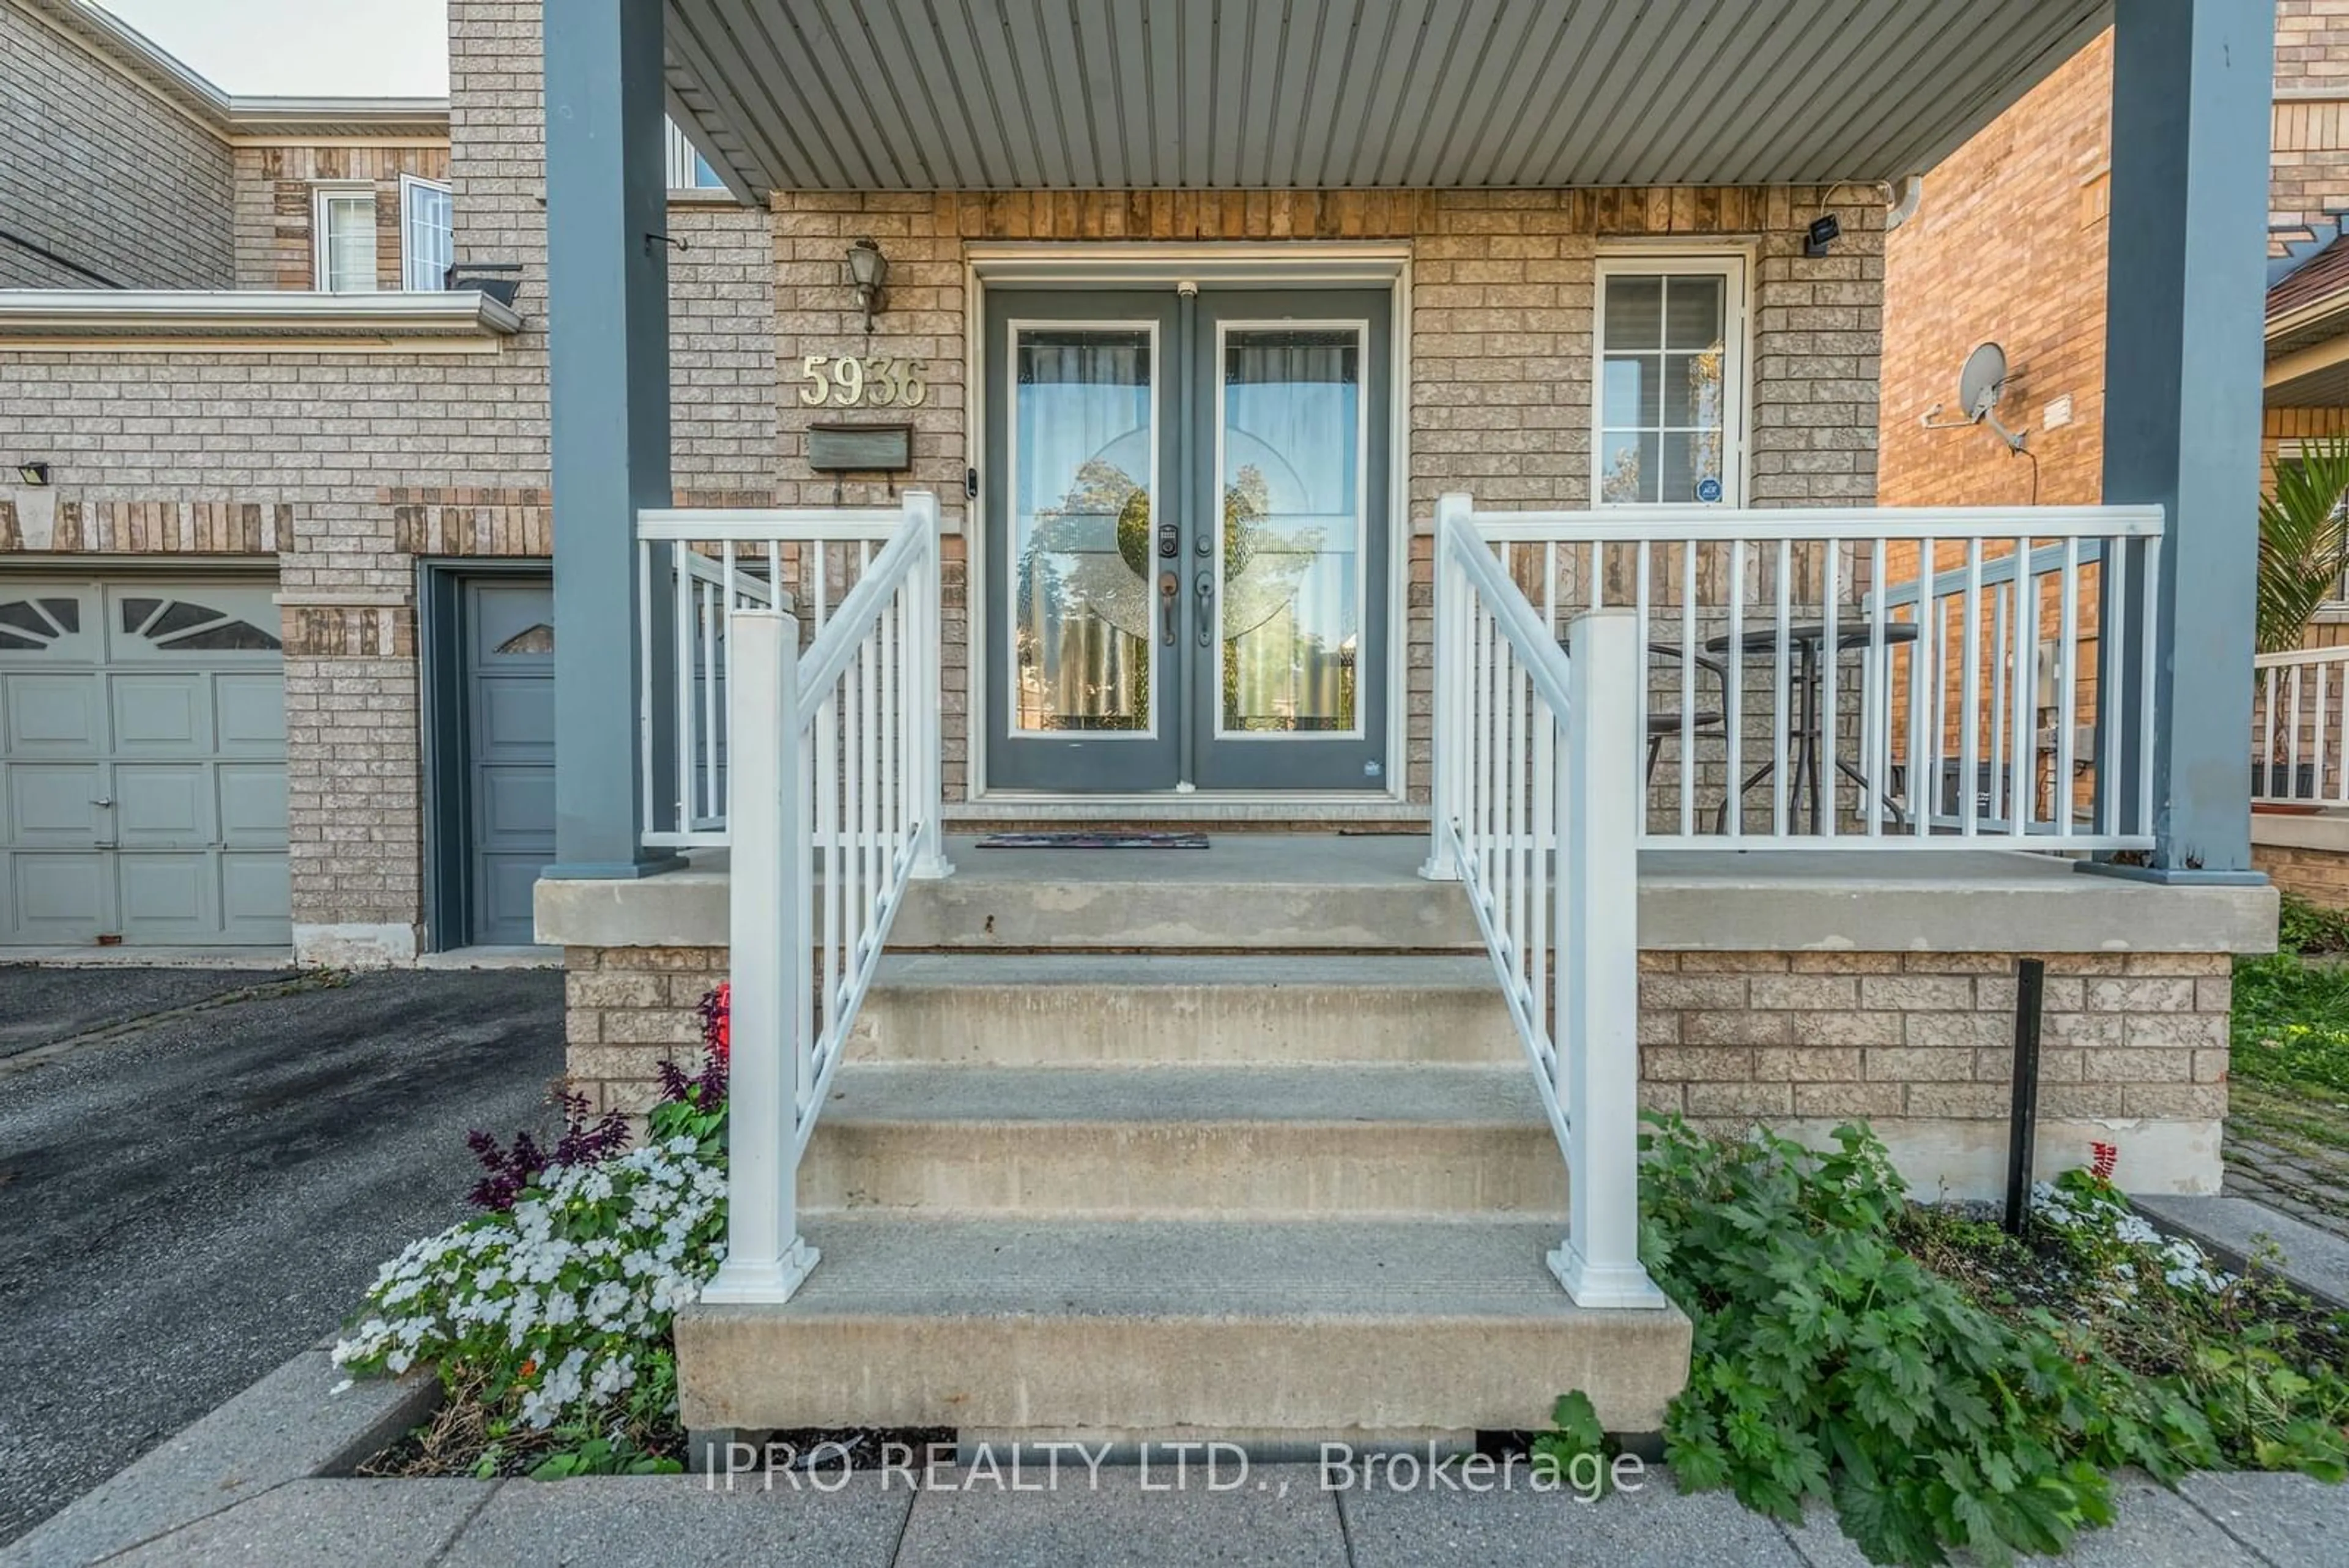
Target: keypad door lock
[[1170, 541]]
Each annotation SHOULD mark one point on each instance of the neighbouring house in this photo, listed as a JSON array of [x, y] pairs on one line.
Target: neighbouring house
[[1427, 454], [2006, 242], [276, 607]]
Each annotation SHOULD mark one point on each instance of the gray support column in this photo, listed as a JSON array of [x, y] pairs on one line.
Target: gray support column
[[2192, 81], [607, 307]]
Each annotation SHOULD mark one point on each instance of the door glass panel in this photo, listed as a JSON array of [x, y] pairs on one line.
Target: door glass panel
[[1288, 598], [1085, 447]]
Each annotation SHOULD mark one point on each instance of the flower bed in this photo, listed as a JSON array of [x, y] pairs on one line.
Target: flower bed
[[547, 1317]]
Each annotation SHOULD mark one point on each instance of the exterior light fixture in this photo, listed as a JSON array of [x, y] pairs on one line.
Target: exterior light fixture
[[868, 269], [33, 473], [1825, 231]]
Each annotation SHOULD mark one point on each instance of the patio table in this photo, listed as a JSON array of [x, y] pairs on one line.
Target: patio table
[[1806, 638]]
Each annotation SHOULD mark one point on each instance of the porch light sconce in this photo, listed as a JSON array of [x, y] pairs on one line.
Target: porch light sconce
[[1825, 231], [33, 473], [868, 269]]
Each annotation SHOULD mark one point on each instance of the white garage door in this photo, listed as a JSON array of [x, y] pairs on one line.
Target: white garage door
[[143, 763]]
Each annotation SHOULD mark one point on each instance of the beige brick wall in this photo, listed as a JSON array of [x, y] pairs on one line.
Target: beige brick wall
[[1500, 351], [98, 169], [1731, 1037], [628, 1009], [2319, 875], [1727, 1039]]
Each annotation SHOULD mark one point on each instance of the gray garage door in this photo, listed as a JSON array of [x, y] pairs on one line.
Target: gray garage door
[[143, 763], [510, 736]]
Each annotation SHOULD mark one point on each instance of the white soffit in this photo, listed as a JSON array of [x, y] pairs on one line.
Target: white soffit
[[915, 95]]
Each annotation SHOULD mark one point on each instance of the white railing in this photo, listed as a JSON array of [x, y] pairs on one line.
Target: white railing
[[1537, 816], [2297, 709], [1985, 686], [836, 811], [698, 566]]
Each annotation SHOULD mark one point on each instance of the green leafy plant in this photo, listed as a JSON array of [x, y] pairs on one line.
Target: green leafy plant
[[1577, 1446], [1829, 1363], [2304, 540], [2310, 929]]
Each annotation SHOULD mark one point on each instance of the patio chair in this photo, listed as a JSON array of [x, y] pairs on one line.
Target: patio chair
[[1665, 723]]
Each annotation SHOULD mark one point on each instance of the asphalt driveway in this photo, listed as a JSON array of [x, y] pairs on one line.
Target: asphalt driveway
[[201, 1170]]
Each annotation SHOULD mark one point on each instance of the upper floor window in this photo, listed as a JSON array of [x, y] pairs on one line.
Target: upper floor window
[[1671, 352], [343, 239], [689, 169], [425, 246]]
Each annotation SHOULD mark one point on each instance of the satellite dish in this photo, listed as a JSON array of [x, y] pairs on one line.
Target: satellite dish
[[1982, 382], [1981, 385]]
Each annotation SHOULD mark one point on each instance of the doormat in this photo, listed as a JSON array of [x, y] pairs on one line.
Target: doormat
[[1094, 841]]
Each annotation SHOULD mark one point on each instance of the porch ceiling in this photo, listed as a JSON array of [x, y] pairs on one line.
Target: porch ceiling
[[1115, 94]]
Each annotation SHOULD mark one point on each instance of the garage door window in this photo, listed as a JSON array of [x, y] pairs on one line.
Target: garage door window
[[31, 624], [182, 624]]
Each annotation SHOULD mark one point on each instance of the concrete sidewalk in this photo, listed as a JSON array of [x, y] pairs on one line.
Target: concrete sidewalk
[[249, 1483], [1278, 1516]]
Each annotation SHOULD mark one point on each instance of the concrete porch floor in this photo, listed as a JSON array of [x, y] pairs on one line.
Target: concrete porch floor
[[1266, 890]]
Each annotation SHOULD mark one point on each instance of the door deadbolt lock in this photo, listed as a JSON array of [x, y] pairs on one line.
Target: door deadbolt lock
[[1170, 541]]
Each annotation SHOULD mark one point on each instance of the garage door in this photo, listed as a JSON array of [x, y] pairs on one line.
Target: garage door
[[143, 763]]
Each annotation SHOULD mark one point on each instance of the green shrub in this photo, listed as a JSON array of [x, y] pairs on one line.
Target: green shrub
[[1829, 1363]]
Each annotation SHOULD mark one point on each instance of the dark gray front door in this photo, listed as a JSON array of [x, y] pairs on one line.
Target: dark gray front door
[[508, 735], [1186, 557]]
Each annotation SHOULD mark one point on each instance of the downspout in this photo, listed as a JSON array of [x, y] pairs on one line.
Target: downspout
[[1908, 192]]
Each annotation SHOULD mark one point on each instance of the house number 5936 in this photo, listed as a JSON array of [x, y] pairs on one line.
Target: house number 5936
[[852, 381]]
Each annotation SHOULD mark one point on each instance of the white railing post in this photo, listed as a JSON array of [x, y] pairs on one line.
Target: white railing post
[[766, 1257], [1597, 1003], [924, 593], [1446, 751]]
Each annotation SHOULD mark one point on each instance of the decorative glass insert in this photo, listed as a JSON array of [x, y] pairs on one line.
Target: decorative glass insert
[[1290, 603], [32, 625], [182, 624], [539, 639], [1085, 443], [1663, 403]]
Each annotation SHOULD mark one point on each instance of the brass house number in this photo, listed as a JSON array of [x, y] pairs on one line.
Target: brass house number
[[853, 381]]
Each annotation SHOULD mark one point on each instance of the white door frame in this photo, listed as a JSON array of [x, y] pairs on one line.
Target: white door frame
[[1254, 264]]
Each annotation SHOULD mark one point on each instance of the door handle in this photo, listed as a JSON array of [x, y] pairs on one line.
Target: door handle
[[105, 800], [1169, 589], [1206, 589]]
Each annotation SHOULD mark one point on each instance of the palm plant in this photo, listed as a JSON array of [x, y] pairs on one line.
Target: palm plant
[[2304, 540]]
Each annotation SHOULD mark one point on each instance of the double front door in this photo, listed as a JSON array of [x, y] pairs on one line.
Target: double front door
[[1187, 542]]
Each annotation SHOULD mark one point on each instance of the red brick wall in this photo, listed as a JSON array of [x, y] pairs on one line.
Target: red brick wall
[[2009, 247]]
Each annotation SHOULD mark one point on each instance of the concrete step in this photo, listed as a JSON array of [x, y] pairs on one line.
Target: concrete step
[[1246, 892], [1339, 1330], [1247, 1008], [1185, 1142]]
